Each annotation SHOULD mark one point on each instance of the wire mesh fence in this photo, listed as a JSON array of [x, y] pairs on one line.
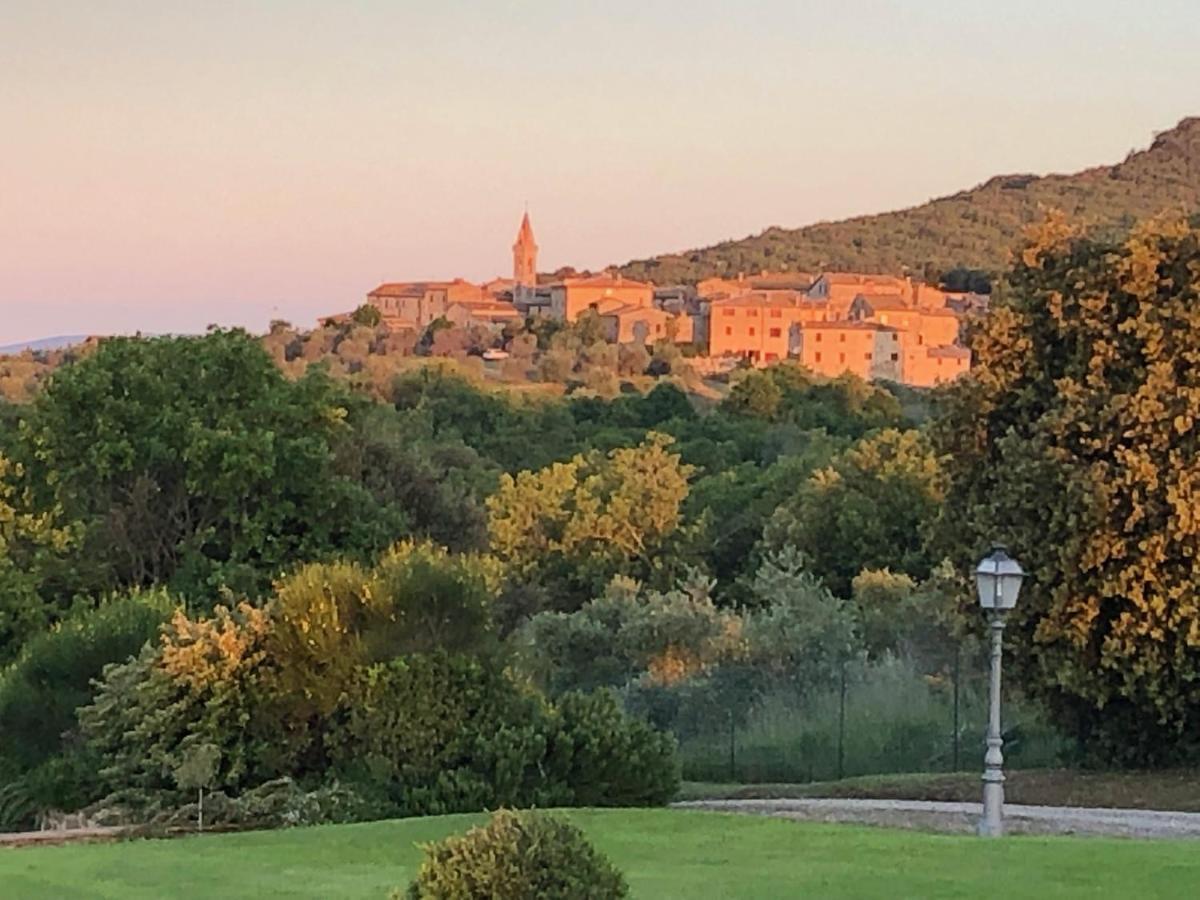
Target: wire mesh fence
[[892, 715]]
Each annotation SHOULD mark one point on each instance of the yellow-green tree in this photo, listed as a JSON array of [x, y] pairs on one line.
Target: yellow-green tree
[[572, 526], [29, 539], [871, 507], [1075, 441]]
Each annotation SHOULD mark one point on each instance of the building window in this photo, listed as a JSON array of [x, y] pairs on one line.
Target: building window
[[751, 331], [728, 330], [895, 357], [771, 357], [842, 338], [895, 337], [818, 337], [841, 357], [818, 357], [867, 357], [777, 314], [752, 312], [728, 312], [775, 332]]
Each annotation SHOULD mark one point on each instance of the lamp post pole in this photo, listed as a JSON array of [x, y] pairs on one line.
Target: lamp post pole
[[992, 823], [998, 580]]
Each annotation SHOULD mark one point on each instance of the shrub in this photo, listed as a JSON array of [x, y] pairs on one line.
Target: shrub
[[53, 674], [201, 684], [608, 758], [627, 631], [441, 734], [516, 856]]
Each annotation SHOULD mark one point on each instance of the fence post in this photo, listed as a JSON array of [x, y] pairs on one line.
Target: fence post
[[957, 676], [841, 753], [732, 749]]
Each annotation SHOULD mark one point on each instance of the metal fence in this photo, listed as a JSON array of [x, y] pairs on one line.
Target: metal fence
[[897, 714]]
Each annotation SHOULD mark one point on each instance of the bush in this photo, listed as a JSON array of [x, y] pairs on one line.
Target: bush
[[440, 734], [201, 684], [516, 856], [53, 674], [609, 759], [627, 631]]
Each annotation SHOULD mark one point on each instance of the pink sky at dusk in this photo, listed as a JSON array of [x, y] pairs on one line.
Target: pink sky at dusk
[[166, 165]]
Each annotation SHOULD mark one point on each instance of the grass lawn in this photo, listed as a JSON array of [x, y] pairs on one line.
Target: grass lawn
[[1177, 790], [664, 853]]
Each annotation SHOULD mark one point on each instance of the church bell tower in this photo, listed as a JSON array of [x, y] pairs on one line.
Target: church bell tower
[[525, 256]]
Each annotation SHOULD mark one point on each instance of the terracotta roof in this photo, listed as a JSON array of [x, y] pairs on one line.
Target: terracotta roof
[[485, 303], [413, 288], [601, 281], [884, 301], [940, 313], [786, 299], [630, 309], [860, 278]]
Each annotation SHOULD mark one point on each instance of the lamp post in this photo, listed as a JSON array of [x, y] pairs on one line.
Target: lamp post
[[998, 580]]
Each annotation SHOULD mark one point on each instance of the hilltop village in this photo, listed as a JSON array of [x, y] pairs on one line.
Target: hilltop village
[[875, 326]]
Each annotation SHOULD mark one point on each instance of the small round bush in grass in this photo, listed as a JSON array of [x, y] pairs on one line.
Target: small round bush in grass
[[517, 856]]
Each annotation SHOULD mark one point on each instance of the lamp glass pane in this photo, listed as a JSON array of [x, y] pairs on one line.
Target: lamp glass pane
[[1010, 587], [986, 584]]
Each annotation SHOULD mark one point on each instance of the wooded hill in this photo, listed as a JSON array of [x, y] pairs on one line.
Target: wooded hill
[[973, 229]]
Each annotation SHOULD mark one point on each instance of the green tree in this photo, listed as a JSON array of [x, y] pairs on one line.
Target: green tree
[[872, 507], [31, 541], [193, 462], [196, 770], [572, 526], [786, 393], [1075, 441], [800, 631], [368, 314]]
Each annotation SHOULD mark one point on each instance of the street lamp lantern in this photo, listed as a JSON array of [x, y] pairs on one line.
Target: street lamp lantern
[[998, 580]]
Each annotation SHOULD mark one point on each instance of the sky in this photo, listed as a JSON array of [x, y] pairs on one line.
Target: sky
[[169, 165]]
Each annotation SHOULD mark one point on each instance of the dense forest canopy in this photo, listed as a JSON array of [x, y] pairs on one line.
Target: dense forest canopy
[[326, 576], [960, 237]]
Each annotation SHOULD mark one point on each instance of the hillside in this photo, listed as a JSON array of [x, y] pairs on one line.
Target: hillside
[[50, 343], [973, 229]]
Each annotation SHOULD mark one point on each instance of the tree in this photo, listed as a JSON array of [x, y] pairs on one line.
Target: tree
[[800, 631], [1076, 440], [574, 525], [786, 393], [197, 770], [626, 632], [735, 504], [872, 507], [31, 540], [368, 314], [193, 462]]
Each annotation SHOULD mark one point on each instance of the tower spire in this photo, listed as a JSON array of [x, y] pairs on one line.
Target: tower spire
[[525, 255]]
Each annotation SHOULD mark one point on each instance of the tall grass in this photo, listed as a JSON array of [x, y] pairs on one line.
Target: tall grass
[[895, 720]]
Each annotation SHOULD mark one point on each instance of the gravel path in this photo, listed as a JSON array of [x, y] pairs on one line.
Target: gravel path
[[960, 818], [60, 836]]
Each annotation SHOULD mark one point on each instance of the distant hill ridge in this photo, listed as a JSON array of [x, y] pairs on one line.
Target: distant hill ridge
[[973, 229], [50, 343]]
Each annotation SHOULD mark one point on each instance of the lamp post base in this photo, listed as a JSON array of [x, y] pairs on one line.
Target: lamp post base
[[991, 823]]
